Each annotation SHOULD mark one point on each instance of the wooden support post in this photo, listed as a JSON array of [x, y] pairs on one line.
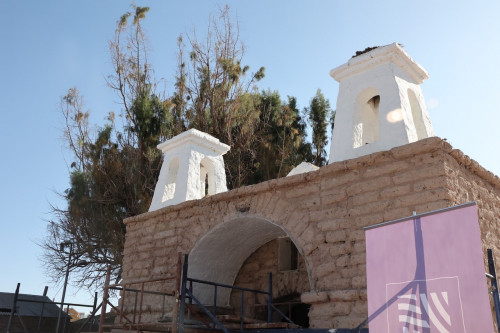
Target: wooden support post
[[13, 309], [41, 312], [183, 294], [175, 313], [122, 300], [105, 298], [270, 298], [140, 307], [242, 310], [94, 310], [215, 303]]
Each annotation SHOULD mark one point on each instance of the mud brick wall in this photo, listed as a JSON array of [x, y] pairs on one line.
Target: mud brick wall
[[468, 181], [324, 213]]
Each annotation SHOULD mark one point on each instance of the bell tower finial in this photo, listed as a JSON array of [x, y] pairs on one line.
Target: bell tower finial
[[380, 103]]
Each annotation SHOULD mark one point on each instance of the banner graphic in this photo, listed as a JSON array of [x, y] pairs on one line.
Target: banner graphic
[[425, 274]]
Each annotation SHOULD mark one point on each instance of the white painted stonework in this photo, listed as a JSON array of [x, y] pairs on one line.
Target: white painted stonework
[[380, 103], [303, 168], [192, 168]]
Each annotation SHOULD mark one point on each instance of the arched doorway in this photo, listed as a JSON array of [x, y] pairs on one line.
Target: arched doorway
[[281, 258], [221, 253]]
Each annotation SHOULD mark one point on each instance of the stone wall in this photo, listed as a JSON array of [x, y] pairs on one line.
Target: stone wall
[[324, 213]]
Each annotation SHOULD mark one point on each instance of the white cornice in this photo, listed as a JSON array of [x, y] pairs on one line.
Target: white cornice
[[193, 136], [389, 53]]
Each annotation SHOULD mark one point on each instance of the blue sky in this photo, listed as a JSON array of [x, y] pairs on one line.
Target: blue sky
[[50, 46]]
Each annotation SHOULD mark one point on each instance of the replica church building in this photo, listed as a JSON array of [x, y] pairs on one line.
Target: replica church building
[[306, 229]]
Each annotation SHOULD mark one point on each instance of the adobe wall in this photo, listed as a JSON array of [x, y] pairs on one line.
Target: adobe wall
[[323, 212]]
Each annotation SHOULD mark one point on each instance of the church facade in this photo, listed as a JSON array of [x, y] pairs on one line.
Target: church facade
[[307, 229]]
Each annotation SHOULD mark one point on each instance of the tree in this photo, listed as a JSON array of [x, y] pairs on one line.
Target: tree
[[303, 149], [115, 168], [319, 111], [214, 92], [280, 139]]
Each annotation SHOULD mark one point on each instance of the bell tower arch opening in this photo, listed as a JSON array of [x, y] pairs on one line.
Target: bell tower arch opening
[[366, 129], [417, 115], [207, 177], [169, 189]]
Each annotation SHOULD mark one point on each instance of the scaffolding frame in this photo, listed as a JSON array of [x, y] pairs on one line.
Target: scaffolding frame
[[183, 299]]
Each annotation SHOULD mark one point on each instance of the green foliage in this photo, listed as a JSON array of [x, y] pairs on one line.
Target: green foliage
[[151, 120], [140, 13], [280, 139], [319, 111]]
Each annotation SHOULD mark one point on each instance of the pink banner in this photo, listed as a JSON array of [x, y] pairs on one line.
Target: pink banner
[[426, 274]]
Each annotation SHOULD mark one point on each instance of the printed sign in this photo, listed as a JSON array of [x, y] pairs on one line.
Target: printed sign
[[426, 274]]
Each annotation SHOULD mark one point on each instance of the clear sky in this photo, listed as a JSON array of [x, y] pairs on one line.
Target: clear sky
[[49, 46]]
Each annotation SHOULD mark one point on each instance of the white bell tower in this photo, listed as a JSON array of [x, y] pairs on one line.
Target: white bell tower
[[192, 168], [380, 103]]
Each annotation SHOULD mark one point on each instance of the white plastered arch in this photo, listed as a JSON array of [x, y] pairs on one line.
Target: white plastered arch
[[219, 255]]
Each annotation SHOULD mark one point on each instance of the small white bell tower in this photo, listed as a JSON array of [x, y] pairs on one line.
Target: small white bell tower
[[380, 104], [192, 168]]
